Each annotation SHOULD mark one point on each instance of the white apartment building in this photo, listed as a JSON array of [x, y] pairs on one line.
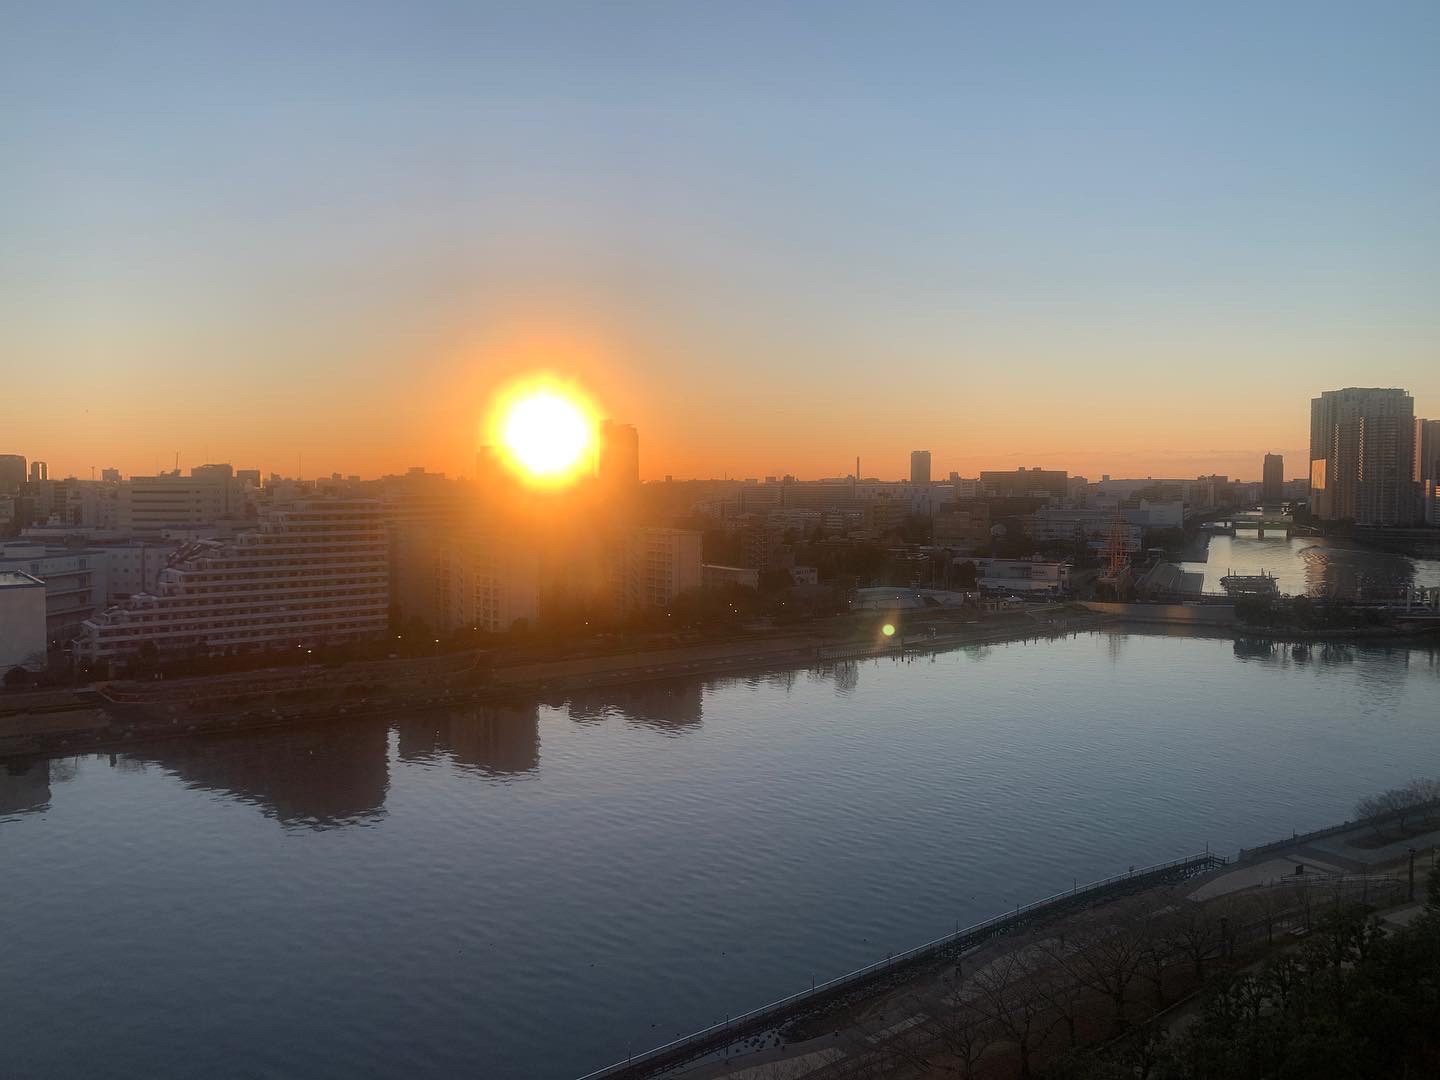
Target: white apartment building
[[652, 566], [314, 571], [136, 567], [22, 620], [75, 581], [494, 580]]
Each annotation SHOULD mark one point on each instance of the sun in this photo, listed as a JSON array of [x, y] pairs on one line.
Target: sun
[[546, 432]]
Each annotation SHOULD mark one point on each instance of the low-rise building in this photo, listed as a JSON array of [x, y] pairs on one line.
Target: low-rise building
[[22, 621], [1022, 574], [75, 581], [714, 576]]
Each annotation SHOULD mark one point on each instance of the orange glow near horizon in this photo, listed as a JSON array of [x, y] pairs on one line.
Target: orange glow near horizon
[[544, 429]]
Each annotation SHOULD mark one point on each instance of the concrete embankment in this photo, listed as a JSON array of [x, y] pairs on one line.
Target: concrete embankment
[[118, 714], [1202, 615]]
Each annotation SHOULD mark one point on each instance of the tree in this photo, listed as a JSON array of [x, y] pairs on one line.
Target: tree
[[1006, 996], [1106, 958]]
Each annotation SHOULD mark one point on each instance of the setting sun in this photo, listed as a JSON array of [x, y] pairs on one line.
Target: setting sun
[[546, 432]]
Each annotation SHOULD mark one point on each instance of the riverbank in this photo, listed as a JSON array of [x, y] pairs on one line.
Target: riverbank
[[1157, 945], [116, 715]]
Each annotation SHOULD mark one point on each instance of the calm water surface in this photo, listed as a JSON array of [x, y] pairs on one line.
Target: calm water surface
[[528, 892], [1314, 566]]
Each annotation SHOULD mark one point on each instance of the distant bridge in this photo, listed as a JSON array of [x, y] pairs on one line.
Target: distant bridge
[[1231, 525]]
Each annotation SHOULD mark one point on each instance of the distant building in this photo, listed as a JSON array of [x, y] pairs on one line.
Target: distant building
[[494, 579], [39, 470], [135, 567], [1427, 453], [714, 576], [920, 467], [22, 621], [805, 575], [75, 581], [1026, 575], [313, 572], [1362, 450], [619, 455], [112, 476], [652, 566], [148, 504], [1273, 480], [1025, 483], [12, 473], [963, 529]]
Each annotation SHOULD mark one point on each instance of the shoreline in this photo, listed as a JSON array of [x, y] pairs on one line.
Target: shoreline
[[114, 717]]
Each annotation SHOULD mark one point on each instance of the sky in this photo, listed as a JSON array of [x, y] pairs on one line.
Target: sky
[[1131, 239]]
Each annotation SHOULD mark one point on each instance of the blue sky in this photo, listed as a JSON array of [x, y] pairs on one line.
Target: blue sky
[[1121, 238]]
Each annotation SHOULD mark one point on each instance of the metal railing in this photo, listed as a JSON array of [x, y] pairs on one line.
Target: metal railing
[[715, 1036]]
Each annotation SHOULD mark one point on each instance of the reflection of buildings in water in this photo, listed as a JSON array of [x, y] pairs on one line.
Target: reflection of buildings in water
[[847, 676], [24, 786], [320, 776], [497, 740], [1352, 572], [1255, 649], [670, 705], [1115, 643]]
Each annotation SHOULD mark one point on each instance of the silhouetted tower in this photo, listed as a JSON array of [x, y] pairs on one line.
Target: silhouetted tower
[[1115, 545], [619, 464], [919, 467]]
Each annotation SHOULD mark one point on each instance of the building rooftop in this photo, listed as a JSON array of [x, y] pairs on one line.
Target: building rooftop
[[15, 579]]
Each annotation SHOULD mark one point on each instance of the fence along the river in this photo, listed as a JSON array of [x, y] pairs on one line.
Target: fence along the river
[[875, 975]]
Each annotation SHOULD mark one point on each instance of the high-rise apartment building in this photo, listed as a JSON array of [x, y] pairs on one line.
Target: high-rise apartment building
[[12, 473], [314, 571], [1427, 451], [619, 455], [1362, 451], [920, 467], [39, 470], [651, 566], [1272, 482]]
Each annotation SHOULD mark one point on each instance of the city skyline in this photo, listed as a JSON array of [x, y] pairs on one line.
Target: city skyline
[[771, 242]]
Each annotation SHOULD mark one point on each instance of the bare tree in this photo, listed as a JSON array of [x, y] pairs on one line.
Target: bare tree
[[1194, 931], [960, 1029], [1065, 996], [1106, 958], [1006, 996]]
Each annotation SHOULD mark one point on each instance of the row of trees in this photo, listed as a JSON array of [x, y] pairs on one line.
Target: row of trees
[[1352, 1002], [1399, 803], [1032, 1009]]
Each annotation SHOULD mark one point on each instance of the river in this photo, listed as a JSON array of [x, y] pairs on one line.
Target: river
[[532, 891], [1314, 566]]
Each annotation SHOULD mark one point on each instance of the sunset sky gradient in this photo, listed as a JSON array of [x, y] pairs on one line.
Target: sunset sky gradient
[[1130, 239]]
